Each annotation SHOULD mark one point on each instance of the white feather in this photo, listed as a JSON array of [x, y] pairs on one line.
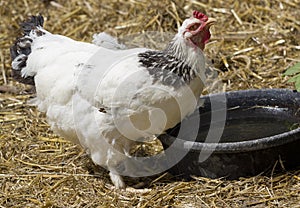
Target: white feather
[[107, 41], [75, 79]]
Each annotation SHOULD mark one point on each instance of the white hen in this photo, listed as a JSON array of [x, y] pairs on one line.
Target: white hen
[[106, 99]]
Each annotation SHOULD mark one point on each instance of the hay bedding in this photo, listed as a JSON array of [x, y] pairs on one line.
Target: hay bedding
[[252, 45]]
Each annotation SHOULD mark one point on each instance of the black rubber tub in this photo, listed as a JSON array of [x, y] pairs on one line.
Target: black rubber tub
[[261, 133]]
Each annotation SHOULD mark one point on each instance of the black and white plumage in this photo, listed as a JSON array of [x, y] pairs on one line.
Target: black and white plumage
[[107, 97], [175, 71]]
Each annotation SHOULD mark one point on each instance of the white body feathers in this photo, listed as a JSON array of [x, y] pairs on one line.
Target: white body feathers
[[103, 98]]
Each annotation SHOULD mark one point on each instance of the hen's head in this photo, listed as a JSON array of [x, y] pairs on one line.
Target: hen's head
[[196, 29]]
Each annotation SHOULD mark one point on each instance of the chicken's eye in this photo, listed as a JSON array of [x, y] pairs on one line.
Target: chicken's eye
[[194, 27]]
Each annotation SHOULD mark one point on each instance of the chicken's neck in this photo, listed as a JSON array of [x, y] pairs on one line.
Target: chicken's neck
[[188, 53], [177, 65]]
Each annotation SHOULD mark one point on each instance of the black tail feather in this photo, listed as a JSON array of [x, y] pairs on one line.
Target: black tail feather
[[32, 23], [22, 48]]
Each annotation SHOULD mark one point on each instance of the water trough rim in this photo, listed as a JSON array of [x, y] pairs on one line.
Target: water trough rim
[[241, 146]]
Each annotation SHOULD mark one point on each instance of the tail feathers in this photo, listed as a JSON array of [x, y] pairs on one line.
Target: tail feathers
[[32, 23], [22, 48]]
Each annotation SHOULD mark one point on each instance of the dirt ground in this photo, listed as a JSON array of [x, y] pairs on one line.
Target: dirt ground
[[252, 44]]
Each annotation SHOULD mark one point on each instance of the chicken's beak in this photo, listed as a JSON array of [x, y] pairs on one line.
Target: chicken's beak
[[210, 22]]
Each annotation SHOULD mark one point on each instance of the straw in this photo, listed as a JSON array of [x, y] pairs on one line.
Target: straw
[[252, 44]]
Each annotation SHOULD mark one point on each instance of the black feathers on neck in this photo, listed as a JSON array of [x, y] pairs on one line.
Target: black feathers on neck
[[166, 68]]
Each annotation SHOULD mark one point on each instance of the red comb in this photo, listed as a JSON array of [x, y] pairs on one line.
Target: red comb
[[200, 16]]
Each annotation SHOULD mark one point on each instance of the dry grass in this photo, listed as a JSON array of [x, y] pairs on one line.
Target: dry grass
[[253, 43]]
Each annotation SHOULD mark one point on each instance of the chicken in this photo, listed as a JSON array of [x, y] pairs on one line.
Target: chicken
[[107, 99]]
